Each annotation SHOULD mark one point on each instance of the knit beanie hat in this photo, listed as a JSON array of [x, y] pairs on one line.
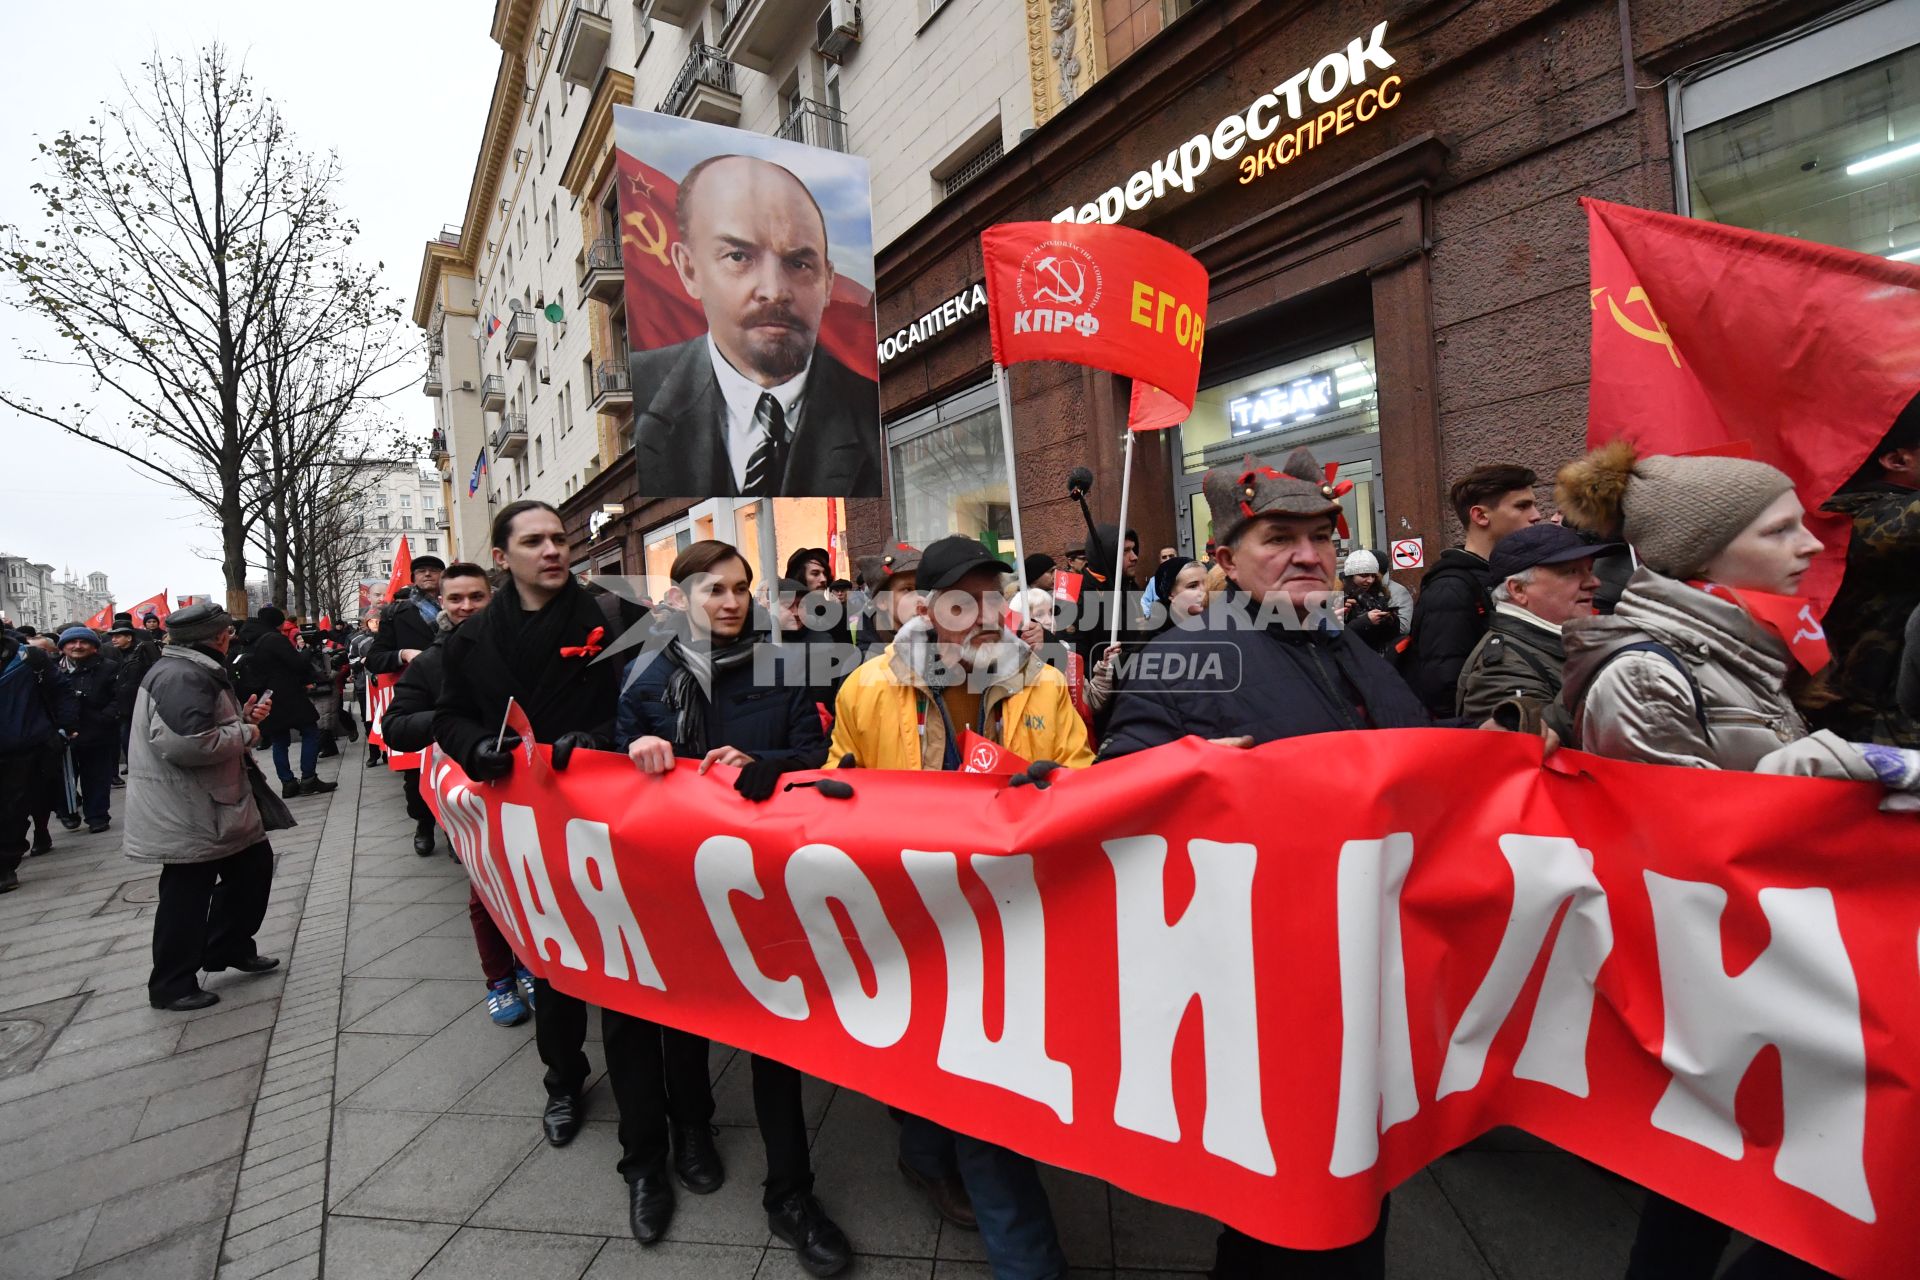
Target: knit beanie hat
[[1677, 512], [78, 633], [1362, 561], [272, 615]]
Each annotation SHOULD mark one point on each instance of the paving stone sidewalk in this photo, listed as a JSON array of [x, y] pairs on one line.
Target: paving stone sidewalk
[[359, 1117]]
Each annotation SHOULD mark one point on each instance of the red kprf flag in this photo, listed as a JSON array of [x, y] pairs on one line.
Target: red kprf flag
[[402, 574], [1706, 336], [984, 755], [1110, 297], [154, 605]]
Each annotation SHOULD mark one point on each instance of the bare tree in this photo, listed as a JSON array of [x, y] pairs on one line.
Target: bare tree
[[186, 241]]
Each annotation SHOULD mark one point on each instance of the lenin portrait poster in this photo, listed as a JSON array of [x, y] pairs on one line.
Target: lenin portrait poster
[[749, 274]]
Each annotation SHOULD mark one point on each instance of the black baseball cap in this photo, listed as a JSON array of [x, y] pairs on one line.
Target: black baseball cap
[[428, 562], [949, 559], [1543, 543]]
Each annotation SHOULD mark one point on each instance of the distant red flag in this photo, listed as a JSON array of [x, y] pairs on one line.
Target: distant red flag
[[326, 622], [1715, 339], [660, 313], [402, 574], [102, 619], [155, 604]]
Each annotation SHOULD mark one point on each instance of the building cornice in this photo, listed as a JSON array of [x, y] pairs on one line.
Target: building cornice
[[593, 146]]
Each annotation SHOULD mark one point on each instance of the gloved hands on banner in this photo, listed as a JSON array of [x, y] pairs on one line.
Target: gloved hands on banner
[[492, 763], [758, 779], [1898, 769], [1039, 774], [567, 743], [848, 762]]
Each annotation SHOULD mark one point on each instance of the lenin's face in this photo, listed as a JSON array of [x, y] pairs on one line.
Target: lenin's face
[[755, 258]]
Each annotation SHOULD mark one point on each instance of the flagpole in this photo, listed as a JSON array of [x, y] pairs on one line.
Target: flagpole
[[1120, 537], [1013, 486]]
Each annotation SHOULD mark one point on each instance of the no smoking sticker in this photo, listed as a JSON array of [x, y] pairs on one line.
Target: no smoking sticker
[[1409, 553]]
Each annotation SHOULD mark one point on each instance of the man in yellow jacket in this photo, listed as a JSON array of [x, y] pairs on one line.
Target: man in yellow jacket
[[954, 666]]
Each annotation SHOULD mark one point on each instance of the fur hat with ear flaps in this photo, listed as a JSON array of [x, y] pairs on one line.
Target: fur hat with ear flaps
[[1678, 512]]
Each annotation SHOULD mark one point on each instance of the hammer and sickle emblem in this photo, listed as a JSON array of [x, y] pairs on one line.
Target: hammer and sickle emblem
[[649, 239], [1054, 286], [1813, 630], [1657, 334]]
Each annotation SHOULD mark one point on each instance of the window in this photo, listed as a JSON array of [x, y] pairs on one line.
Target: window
[[949, 470], [1817, 136], [386, 568], [543, 144], [406, 500], [539, 456], [642, 29], [433, 544], [553, 222], [383, 521], [546, 134], [379, 499], [973, 166], [406, 521]]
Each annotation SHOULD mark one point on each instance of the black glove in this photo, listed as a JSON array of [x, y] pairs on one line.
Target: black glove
[[491, 763], [1039, 774], [848, 762], [567, 743], [758, 779]]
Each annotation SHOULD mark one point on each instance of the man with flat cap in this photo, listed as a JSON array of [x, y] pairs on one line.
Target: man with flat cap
[[754, 406]]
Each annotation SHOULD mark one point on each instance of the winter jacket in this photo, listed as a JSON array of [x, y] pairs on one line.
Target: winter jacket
[[35, 698], [559, 695], [776, 722], [879, 714], [408, 724], [134, 664], [406, 626], [1520, 659], [96, 685], [1402, 604], [1454, 610], [188, 795], [1377, 636], [1267, 683], [269, 661], [1855, 696], [1640, 706]]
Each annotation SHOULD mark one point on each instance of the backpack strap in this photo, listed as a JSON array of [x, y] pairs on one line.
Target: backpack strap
[[1679, 664]]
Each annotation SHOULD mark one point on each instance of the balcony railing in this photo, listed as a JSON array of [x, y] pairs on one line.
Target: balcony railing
[[521, 341], [602, 275], [706, 67], [437, 443], [432, 384], [583, 50], [816, 124], [493, 393], [510, 437], [612, 384], [450, 233]]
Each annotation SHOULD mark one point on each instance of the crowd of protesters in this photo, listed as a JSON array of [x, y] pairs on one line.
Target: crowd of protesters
[[1639, 621]]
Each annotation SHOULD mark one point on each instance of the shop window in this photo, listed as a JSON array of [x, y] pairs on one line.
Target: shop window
[[949, 470], [1816, 135]]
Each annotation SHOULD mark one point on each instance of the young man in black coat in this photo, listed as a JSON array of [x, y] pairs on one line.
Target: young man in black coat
[[271, 665], [95, 741], [512, 650], [408, 629]]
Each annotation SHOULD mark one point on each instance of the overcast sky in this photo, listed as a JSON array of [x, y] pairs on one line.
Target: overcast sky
[[398, 90]]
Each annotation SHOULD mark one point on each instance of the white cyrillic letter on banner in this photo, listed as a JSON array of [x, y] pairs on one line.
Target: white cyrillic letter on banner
[[590, 860], [1799, 995], [1208, 953], [723, 865], [1547, 871], [521, 836], [817, 872], [1376, 1050]]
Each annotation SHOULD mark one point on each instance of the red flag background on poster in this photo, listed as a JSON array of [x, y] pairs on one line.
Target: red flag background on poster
[[102, 617], [1707, 335], [659, 311], [1110, 297], [1597, 952], [154, 605], [402, 575]]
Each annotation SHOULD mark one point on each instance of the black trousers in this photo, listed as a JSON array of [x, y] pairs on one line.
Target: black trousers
[[416, 807], [783, 1129], [19, 776], [657, 1075], [1239, 1256], [208, 914], [1678, 1243], [96, 764]]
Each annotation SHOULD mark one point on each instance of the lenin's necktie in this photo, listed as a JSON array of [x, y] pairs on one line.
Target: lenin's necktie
[[769, 462]]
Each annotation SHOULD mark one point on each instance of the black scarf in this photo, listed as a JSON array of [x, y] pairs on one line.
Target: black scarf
[[697, 665], [531, 641]]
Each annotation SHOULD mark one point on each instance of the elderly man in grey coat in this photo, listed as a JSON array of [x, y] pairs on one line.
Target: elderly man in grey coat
[[191, 808]]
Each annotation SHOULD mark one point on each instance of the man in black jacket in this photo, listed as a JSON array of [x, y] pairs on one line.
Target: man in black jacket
[[407, 630], [1455, 605], [35, 703], [513, 649], [96, 738], [269, 665]]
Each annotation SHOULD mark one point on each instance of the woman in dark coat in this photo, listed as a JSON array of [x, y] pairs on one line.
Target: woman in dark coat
[[269, 664], [698, 700]]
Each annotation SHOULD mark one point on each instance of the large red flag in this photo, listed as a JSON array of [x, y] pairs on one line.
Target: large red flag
[[102, 618], [155, 605], [1110, 297], [1706, 336], [402, 574], [659, 312]]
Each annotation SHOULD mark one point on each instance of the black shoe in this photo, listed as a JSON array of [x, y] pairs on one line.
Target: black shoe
[[561, 1120], [42, 843], [423, 840], [289, 790], [119, 782], [181, 1004], [375, 759], [253, 964], [947, 1195], [71, 821], [696, 1161], [650, 1207], [96, 828], [317, 786], [802, 1223], [9, 881]]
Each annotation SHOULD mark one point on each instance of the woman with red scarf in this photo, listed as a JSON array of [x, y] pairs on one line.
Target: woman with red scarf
[[1692, 668]]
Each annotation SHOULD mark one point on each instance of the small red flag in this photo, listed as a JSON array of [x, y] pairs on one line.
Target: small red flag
[[402, 574], [103, 619], [1066, 586], [983, 755]]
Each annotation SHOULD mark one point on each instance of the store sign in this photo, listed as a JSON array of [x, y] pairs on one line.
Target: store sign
[[1318, 99], [949, 313], [1289, 402]]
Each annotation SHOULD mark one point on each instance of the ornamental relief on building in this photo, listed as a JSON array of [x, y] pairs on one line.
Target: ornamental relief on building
[[1065, 52]]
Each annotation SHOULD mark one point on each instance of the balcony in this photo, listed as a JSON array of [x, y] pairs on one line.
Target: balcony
[[583, 50], [602, 276], [432, 385], [816, 125], [704, 89], [437, 447], [493, 393], [444, 523], [612, 386], [521, 342], [510, 437], [758, 33], [676, 13]]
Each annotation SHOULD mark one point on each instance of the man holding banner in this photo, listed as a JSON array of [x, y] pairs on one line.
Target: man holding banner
[[410, 629]]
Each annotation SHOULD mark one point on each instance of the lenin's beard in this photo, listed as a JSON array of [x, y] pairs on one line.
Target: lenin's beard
[[778, 343]]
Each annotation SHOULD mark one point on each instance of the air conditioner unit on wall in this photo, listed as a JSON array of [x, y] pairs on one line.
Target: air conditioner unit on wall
[[838, 29]]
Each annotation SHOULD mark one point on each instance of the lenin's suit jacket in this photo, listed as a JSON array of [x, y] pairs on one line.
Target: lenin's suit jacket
[[679, 435]]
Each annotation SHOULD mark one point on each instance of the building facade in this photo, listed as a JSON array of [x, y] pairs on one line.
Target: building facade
[[1385, 194], [32, 595], [395, 500]]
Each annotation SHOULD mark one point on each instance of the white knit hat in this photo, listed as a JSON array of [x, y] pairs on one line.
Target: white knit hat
[[1361, 561]]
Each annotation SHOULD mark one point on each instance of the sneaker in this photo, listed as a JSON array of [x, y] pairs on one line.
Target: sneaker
[[504, 1004], [524, 980]]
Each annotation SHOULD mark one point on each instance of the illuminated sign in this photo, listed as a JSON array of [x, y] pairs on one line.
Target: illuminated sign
[[1290, 402], [943, 317]]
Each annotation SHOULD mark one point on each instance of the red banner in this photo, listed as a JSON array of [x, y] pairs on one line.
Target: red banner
[[154, 605], [1704, 981], [1706, 335], [381, 697], [658, 308], [402, 575], [1110, 297]]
